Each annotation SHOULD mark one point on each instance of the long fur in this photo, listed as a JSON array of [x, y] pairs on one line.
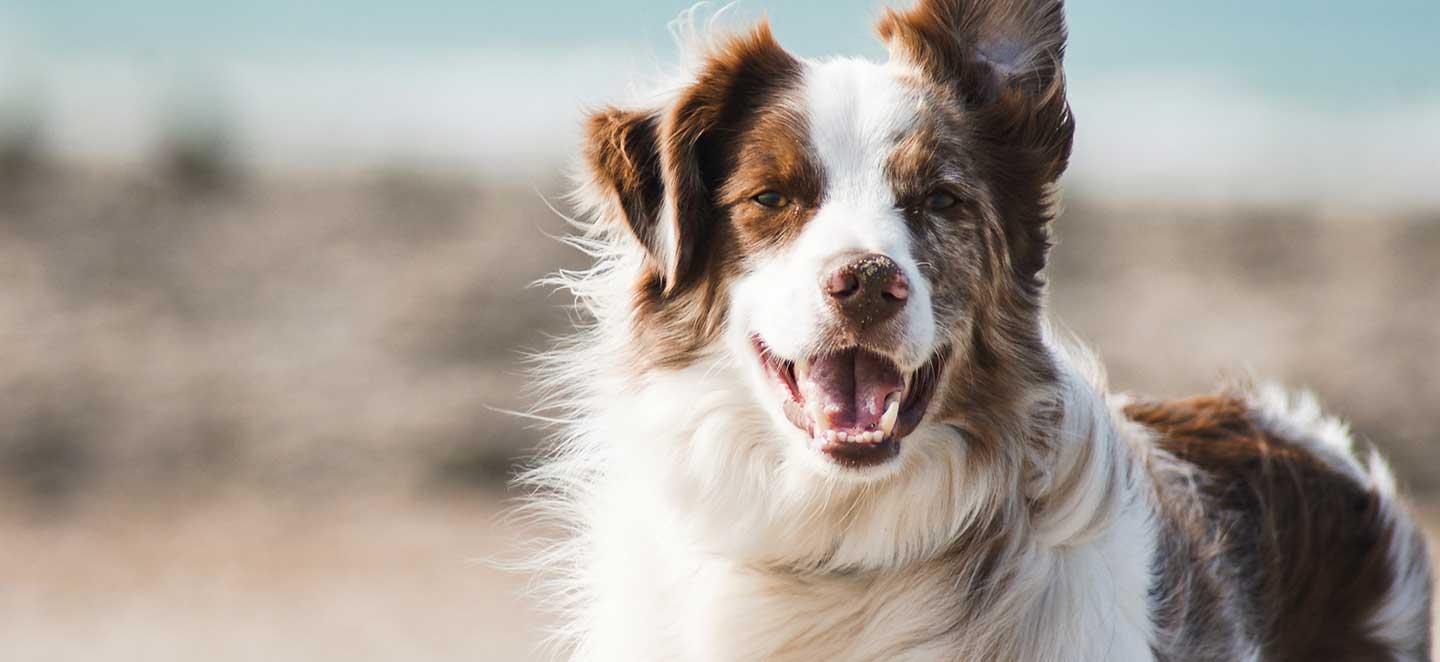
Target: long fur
[[1033, 516]]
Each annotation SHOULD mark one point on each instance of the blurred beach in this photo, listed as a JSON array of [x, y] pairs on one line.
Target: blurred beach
[[265, 417], [266, 285]]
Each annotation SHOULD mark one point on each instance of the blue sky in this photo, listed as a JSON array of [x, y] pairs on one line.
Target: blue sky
[[1277, 99], [1328, 52]]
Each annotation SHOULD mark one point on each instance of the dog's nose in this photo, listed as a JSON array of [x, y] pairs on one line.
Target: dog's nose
[[867, 289]]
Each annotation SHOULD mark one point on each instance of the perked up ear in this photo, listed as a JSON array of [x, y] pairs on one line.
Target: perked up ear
[[664, 167], [1002, 56]]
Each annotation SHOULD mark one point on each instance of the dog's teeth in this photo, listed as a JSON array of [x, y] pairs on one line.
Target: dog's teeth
[[843, 436], [887, 421], [802, 369]]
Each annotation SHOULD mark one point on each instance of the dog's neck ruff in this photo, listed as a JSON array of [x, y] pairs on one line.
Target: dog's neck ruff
[[692, 546]]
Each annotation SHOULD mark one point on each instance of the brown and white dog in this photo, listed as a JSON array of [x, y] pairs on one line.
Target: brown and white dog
[[818, 413]]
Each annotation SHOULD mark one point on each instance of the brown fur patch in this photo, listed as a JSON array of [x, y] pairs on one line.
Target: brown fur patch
[[774, 154], [997, 140], [984, 46], [699, 151], [1307, 543], [680, 165], [1019, 118], [622, 151]]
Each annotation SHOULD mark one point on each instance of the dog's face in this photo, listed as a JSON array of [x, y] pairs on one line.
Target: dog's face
[[864, 240]]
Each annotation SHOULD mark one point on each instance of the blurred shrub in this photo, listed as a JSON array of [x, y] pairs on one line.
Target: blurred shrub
[[198, 150], [22, 148], [350, 334]]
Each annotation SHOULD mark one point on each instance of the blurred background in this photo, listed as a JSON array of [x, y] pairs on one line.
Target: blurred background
[[265, 266]]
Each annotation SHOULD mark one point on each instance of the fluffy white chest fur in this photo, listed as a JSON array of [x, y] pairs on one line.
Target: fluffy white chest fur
[[674, 560], [685, 605]]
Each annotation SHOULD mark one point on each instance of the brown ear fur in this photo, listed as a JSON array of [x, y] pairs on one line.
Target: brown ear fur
[[668, 167], [623, 154], [1004, 59], [698, 151]]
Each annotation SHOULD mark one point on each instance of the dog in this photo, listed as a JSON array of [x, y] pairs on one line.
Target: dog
[[817, 411]]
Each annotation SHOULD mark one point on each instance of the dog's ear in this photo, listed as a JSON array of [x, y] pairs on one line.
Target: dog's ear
[[623, 154], [665, 167], [1003, 57]]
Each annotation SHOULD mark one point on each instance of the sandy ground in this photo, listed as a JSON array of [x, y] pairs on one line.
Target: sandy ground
[[244, 580]]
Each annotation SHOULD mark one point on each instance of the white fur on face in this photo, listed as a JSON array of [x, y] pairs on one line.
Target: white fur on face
[[855, 110]]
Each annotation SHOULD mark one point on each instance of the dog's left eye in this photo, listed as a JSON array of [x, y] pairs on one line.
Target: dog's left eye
[[771, 199], [940, 201]]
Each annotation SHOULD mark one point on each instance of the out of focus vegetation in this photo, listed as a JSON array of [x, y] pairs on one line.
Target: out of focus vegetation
[[191, 326]]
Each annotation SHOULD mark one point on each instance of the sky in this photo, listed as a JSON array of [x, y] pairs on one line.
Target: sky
[[1273, 100]]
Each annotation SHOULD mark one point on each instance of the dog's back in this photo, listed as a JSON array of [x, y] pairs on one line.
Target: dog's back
[[1275, 527]]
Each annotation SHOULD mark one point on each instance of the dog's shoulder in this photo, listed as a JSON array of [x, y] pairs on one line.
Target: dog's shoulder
[[1312, 533]]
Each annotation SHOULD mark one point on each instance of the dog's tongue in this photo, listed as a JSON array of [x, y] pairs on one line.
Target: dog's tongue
[[847, 391]]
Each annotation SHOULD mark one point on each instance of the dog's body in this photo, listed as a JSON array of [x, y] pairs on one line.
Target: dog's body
[[819, 414]]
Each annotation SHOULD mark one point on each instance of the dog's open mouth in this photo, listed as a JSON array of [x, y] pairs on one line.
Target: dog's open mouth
[[856, 405]]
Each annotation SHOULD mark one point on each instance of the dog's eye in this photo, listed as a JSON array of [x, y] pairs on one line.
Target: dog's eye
[[940, 201], [771, 199]]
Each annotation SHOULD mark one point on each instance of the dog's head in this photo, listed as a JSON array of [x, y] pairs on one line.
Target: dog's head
[[865, 239]]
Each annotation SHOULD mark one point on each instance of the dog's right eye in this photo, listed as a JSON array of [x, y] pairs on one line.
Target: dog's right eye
[[771, 199], [940, 201]]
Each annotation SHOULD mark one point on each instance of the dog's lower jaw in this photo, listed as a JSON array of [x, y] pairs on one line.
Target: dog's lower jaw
[[854, 405]]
